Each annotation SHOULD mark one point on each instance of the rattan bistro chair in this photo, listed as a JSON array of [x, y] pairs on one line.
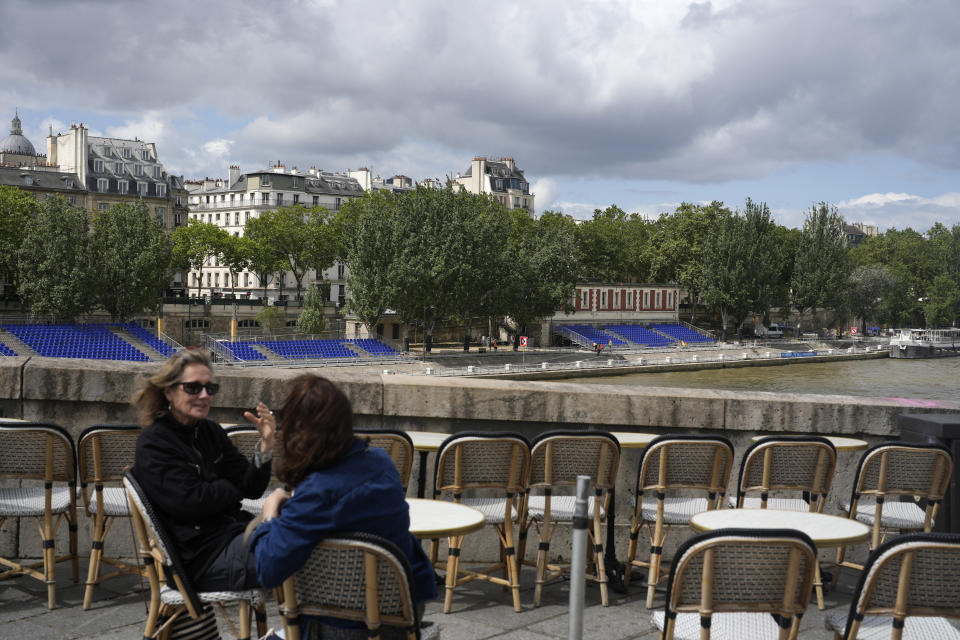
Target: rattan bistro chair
[[38, 452], [171, 591], [556, 459], [908, 588], [246, 439], [398, 446], [797, 464], [359, 577], [103, 452], [493, 467], [684, 465], [738, 584], [895, 470]]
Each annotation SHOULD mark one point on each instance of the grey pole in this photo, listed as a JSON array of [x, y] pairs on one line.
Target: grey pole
[[578, 561]]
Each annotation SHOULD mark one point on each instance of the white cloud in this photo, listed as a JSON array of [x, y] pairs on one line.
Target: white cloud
[[218, 148], [152, 127], [902, 210]]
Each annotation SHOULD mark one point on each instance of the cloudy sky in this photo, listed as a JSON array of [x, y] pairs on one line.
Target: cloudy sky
[[643, 104]]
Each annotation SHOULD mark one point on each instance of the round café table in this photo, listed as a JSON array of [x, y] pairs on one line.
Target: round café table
[[425, 442], [825, 530], [442, 519], [840, 443], [627, 440]]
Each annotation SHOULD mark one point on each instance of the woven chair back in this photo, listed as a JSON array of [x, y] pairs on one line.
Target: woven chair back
[[398, 446], [904, 468], [154, 539], [37, 451], [246, 438], [558, 457], [686, 462], [482, 461], [355, 576], [105, 450], [743, 570], [788, 464], [912, 574]]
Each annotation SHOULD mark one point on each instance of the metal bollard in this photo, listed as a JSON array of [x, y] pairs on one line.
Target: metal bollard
[[578, 364], [429, 371], [506, 367], [471, 368], [609, 363], [668, 359], [578, 560], [543, 365], [640, 360]]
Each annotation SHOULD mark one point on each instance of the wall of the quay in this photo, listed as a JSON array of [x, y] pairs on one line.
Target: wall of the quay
[[78, 393]]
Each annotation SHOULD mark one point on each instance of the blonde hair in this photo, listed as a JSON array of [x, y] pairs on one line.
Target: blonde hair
[[150, 398]]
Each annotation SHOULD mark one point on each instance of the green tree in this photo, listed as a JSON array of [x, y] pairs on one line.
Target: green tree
[[312, 319], [17, 208], [941, 304], [193, 245], [544, 272], [612, 246], [54, 262], [325, 241], [235, 254], [821, 264], [867, 288], [474, 224], [287, 233], [371, 241], [271, 318], [725, 270], [676, 248], [131, 259]]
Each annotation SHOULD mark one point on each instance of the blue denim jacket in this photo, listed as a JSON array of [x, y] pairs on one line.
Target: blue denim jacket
[[360, 493]]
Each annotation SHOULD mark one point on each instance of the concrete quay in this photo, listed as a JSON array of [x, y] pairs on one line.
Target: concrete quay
[[481, 611]]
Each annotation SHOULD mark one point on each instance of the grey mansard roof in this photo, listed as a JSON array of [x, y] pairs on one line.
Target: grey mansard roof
[[41, 179]]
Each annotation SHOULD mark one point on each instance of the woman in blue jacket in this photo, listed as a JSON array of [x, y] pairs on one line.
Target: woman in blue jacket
[[340, 484]]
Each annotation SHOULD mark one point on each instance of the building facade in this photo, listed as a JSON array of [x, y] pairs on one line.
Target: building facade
[[501, 179], [230, 203], [119, 171]]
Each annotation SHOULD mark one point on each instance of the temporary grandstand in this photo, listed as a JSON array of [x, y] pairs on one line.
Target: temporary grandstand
[[131, 342], [298, 349], [89, 340], [630, 337]]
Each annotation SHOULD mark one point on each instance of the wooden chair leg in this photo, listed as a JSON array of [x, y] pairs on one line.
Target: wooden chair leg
[[542, 554], [96, 556], [260, 615], [243, 610], [841, 553], [50, 571], [656, 549], [453, 565], [513, 563], [818, 584]]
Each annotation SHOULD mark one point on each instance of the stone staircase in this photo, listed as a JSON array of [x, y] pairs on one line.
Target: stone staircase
[[142, 346], [16, 344]]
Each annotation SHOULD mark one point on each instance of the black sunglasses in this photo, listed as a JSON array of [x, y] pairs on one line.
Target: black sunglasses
[[194, 388]]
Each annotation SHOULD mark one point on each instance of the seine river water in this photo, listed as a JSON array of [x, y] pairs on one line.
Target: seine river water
[[934, 379]]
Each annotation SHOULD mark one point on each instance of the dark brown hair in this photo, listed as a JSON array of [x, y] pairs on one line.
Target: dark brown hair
[[316, 425]]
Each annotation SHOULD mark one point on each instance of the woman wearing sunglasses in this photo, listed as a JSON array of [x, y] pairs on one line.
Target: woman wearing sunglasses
[[194, 476]]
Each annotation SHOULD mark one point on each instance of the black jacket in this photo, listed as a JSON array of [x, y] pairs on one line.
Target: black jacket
[[195, 479]]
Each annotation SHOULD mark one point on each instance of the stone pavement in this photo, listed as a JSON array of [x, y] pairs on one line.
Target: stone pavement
[[480, 611]]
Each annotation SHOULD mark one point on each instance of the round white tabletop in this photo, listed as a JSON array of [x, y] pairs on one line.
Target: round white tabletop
[[427, 440], [12, 420], [631, 440], [440, 519], [825, 530], [840, 443]]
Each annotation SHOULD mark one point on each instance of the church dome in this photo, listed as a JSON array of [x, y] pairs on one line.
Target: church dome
[[16, 142]]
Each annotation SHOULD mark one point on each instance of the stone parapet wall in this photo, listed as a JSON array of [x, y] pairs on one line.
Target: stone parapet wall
[[78, 393]]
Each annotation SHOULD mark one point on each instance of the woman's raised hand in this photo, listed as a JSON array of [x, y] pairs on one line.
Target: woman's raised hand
[[265, 423]]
